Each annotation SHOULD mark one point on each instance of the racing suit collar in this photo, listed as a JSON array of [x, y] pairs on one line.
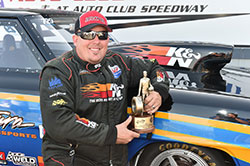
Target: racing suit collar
[[87, 65]]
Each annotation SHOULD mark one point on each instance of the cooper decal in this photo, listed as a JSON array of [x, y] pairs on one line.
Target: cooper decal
[[16, 121]]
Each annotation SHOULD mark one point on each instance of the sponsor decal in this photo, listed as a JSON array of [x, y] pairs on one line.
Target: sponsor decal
[[21, 159], [82, 72], [194, 149], [57, 94], [17, 134], [164, 55], [184, 56], [102, 92], [160, 76], [98, 65], [15, 121], [55, 83], [91, 18], [233, 88], [115, 70], [180, 81], [2, 158], [58, 102], [86, 122], [48, 21]]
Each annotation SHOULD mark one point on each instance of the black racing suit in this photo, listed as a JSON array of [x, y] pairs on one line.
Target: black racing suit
[[81, 103]]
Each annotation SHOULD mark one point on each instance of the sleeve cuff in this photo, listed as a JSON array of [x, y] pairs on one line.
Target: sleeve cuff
[[164, 94], [111, 136]]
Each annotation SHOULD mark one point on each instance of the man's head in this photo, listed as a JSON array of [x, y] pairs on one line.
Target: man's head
[[91, 37]]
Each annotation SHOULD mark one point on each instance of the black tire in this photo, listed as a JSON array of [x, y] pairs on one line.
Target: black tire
[[179, 154]]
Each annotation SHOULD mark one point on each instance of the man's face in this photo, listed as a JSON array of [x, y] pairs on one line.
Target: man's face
[[92, 51]]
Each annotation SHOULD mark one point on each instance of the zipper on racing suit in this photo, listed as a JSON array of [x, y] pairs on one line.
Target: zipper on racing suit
[[110, 147], [110, 163], [110, 156]]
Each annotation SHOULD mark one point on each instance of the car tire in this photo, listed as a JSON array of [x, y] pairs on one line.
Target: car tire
[[179, 154]]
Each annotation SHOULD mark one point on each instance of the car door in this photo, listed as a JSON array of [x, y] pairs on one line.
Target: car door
[[20, 118]]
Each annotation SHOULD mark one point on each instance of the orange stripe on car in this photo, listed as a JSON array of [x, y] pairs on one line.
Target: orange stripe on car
[[205, 122], [20, 97]]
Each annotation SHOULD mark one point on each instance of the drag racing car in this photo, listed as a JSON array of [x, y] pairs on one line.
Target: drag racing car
[[205, 121]]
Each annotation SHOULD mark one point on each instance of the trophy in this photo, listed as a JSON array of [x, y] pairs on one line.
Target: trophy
[[142, 122]]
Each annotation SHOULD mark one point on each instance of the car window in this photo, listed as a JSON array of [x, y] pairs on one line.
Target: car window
[[55, 41], [240, 58], [16, 49]]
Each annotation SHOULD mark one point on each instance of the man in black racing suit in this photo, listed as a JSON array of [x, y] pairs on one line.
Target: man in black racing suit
[[83, 97]]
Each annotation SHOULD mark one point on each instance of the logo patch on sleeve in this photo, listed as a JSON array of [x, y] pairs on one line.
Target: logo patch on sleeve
[[55, 83], [86, 122]]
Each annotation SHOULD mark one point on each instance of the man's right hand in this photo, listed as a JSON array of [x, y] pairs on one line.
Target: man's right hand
[[124, 135]]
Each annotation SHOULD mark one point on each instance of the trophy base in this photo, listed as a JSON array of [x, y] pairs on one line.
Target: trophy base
[[144, 131], [143, 124]]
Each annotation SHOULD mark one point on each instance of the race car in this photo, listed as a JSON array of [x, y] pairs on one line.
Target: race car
[[204, 122]]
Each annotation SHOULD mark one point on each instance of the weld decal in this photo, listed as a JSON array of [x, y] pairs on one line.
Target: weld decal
[[21, 159], [15, 121]]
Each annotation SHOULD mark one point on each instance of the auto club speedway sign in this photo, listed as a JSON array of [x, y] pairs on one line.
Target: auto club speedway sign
[[128, 7], [224, 21]]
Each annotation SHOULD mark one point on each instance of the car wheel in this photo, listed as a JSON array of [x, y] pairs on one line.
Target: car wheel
[[178, 154]]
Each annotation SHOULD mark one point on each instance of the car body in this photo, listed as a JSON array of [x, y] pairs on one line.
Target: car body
[[207, 94], [191, 126]]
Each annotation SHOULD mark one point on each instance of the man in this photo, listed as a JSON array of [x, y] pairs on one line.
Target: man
[[83, 96]]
